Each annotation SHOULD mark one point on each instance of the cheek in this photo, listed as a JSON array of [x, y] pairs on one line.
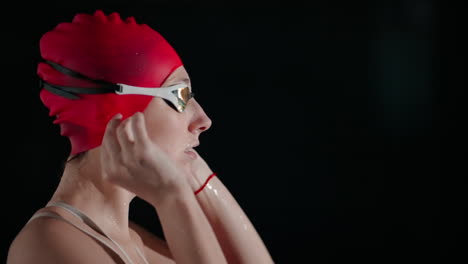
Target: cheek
[[167, 128], [169, 136], [161, 136]]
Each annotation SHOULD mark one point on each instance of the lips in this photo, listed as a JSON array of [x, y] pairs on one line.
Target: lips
[[191, 153], [190, 149]]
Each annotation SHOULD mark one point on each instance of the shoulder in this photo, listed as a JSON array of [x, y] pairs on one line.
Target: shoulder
[[49, 240]]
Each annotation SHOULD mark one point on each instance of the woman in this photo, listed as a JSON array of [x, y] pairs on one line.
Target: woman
[[122, 96]]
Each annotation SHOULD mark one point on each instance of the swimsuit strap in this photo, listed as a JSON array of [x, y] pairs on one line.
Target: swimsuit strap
[[85, 219], [59, 217]]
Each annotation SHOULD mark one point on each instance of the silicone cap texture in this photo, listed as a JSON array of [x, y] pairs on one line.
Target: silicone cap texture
[[104, 48]]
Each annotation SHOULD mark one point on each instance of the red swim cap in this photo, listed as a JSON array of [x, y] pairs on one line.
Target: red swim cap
[[102, 48]]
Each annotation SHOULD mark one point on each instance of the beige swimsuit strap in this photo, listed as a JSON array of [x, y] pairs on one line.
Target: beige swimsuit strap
[[81, 216], [59, 217]]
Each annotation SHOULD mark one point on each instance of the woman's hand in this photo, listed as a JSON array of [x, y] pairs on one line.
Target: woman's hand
[[131, 160]]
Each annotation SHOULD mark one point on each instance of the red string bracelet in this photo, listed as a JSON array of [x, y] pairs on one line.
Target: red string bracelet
[[206, 182]]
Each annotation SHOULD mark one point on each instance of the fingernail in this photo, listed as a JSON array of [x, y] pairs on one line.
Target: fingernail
[[119, 116]]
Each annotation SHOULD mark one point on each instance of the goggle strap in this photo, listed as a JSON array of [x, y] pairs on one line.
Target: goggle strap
[[74, 74], [57, 90], [71, 92], [154, 91], [168, 93]]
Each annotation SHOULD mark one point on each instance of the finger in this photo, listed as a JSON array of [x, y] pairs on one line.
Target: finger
[[139, 129], [129, 129], [122, 135], [110, 141]]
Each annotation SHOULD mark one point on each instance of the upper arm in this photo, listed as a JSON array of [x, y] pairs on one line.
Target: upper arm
[[156, 249]]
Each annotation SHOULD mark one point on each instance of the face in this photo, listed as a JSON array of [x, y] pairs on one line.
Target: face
[[175, 132]]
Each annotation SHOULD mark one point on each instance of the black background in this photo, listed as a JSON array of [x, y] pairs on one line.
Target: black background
[[336, 124]]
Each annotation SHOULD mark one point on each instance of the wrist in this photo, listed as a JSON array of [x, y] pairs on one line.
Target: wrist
[[201, 176], [175, 191], [205, 183]]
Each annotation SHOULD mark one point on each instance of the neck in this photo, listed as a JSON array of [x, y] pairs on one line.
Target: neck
[[106, 204]]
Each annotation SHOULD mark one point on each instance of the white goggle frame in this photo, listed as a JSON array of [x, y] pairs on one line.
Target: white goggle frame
[[178, 94]]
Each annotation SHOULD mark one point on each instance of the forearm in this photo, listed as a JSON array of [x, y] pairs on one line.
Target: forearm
[[187, 230], [236, 234]]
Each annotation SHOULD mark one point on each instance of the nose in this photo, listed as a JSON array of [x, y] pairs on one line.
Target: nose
[[200, 121]]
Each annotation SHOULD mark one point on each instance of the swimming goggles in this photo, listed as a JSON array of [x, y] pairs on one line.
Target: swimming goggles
[[177, 95]]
